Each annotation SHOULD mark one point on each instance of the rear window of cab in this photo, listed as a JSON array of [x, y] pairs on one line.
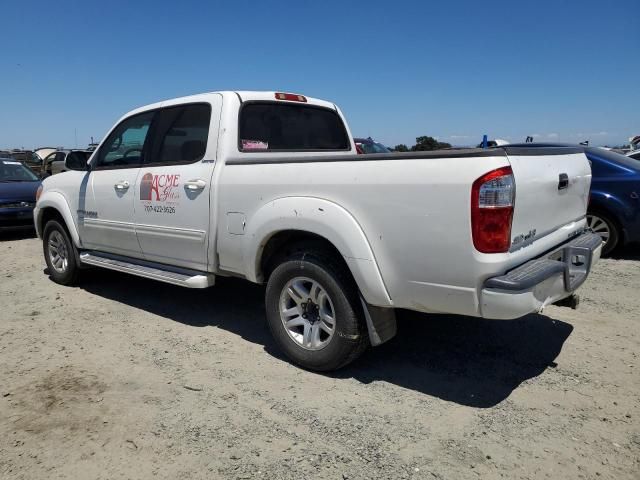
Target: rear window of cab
[[284, 127]]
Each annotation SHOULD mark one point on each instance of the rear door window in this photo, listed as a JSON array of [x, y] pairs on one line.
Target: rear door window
[[180, 134], [268, 126]]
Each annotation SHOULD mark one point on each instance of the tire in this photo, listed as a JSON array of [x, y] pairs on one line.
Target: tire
[[607, 228], [59, 253], [313, 342]]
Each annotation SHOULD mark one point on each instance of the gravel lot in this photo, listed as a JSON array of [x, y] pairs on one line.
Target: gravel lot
[[127, 378]]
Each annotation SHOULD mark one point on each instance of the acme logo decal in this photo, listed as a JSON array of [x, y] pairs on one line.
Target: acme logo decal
[[160, 188]]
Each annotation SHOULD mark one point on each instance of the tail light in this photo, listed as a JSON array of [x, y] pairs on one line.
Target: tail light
[[492, 200]]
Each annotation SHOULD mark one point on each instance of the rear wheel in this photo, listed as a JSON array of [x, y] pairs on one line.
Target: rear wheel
[[604, 226], [313, 312], [59, 253]]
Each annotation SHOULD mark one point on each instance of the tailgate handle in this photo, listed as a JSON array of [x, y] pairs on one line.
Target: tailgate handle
[[563, 181]]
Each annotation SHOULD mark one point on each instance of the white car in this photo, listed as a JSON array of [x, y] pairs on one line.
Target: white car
[[634, 146], [267, 186]]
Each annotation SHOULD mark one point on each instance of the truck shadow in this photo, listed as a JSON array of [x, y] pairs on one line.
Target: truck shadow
[[18, 234], [628, 252], [465, 360], [469, 361]]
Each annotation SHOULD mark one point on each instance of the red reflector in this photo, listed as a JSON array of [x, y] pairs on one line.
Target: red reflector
[[492, 229], [292, 97], [492, 198]]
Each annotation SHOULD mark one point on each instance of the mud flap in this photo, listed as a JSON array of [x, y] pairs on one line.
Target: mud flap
[[381, 323]]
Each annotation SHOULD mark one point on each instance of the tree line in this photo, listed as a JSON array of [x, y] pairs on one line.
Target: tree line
[[422, 144]]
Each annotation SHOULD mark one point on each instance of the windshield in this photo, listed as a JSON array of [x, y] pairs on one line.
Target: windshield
[[373, 147], [12, 171]]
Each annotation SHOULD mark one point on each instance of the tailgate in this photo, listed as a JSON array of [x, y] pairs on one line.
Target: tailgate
[[552, 190]]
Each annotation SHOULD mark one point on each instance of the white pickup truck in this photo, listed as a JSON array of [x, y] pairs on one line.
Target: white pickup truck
[[267, 186]]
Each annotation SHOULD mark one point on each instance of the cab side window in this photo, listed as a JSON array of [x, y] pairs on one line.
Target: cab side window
[[180, 135], [125, 147]]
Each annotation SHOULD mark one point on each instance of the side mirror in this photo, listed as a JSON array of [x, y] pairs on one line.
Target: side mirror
[[76, 162]]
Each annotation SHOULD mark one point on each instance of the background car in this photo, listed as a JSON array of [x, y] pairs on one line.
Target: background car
[[32, 159], [634, 148], [21, 155], [367, 145], [54, 162], [18, 186], [614, 204], [614, 207], [39, 154]]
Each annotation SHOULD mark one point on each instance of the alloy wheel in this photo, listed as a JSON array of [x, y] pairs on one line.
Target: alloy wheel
[[307, 313], [58, 254], [599, 226]]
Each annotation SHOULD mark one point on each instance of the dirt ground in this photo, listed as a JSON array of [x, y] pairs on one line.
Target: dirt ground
[[127, 378]]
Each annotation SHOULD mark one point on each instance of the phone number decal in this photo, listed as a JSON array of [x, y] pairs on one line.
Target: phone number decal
[[159, 209]]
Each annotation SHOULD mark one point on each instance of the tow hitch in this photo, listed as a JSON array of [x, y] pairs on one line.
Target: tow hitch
[[572, 301]]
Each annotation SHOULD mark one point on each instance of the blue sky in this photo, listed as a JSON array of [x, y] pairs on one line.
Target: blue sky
[[561, 70]]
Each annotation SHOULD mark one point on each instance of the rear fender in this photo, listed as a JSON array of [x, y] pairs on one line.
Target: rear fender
[[326, 219], [623, 213], [611, 204]]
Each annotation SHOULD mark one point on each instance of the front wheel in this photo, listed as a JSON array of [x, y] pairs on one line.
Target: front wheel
[[313, 312], [606, 228], [59, 253]]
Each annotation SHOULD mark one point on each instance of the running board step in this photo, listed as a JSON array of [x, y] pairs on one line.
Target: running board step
[[154, 271]]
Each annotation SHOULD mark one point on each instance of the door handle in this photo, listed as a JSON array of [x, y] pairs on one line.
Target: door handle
[[194, 185], [563, 181], [122, 185]]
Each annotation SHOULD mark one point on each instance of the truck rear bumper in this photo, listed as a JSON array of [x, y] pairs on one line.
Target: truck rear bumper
[[541, 281]]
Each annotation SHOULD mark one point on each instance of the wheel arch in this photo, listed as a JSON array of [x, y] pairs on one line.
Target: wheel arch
[[289, 220], [52, 205], [282, 243], [610, 204], [613, 208]]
